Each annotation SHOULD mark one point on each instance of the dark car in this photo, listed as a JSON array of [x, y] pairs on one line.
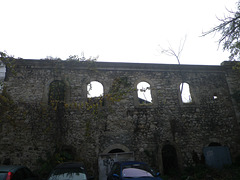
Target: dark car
[[12, 172], [133, 170], [69, 171]]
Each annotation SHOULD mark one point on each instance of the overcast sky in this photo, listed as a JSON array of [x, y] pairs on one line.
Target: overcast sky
[[114, 30]]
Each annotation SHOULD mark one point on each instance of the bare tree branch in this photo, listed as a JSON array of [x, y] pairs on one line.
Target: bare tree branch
[[229, 29], [171, 52]]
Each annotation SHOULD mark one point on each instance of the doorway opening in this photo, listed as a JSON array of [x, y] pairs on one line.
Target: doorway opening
[[116, 152], [170, 160]]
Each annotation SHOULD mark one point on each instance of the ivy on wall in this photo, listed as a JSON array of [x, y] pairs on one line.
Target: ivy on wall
[[7, 107], [236, 96]]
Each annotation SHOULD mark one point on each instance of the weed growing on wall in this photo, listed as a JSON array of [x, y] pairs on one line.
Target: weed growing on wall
[[52, 159], [8, 61], [7, 107], [119, 89]]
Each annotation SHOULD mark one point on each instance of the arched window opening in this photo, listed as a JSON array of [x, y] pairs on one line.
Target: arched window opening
[[1, 86], [217, 156], [215, 96], [2, 74], [56, 93], [94, 89], [144, 93], [214, 144], [116, 151], [185, 93]]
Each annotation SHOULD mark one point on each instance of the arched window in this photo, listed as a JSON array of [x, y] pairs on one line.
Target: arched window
[[116, 151], [214, 144], [56, 92], [185, 93], [2, 74], [94, 89], [144, 93], [215, 97], [1, 86]]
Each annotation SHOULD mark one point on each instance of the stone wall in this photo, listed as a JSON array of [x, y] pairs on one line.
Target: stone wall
[[232, 73], [31, 127]]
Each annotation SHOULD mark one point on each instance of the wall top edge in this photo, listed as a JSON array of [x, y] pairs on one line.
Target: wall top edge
[[121, 66]]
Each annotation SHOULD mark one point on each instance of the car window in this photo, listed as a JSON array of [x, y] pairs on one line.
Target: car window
[[27, 173], [137, 170], [18, 175], [69, 174], [3, 175]]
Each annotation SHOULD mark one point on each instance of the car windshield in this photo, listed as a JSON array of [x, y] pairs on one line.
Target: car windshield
[[137, 170], [68, 174]]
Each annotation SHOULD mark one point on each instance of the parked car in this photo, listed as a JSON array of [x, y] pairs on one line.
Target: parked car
[[69, 171], [16, 172], [133, 170]]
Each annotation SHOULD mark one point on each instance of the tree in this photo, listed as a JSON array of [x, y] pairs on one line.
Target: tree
[[229, 29], [171, 52]]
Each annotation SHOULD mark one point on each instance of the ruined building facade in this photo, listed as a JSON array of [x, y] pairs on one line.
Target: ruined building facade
[[47, 106]]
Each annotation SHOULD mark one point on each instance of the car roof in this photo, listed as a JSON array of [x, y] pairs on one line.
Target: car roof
[[11, 168], [70, 165]]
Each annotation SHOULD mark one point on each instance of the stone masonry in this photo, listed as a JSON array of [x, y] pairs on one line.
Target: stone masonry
[[31, 127]]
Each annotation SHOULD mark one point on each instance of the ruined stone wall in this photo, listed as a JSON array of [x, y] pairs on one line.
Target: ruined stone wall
[[232, 74], [31, 127]]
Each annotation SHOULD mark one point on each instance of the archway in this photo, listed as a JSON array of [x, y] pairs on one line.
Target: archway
[[169, 159], [116, 151], [113, 153], [216, 155], [214, 144], [116, 147]]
